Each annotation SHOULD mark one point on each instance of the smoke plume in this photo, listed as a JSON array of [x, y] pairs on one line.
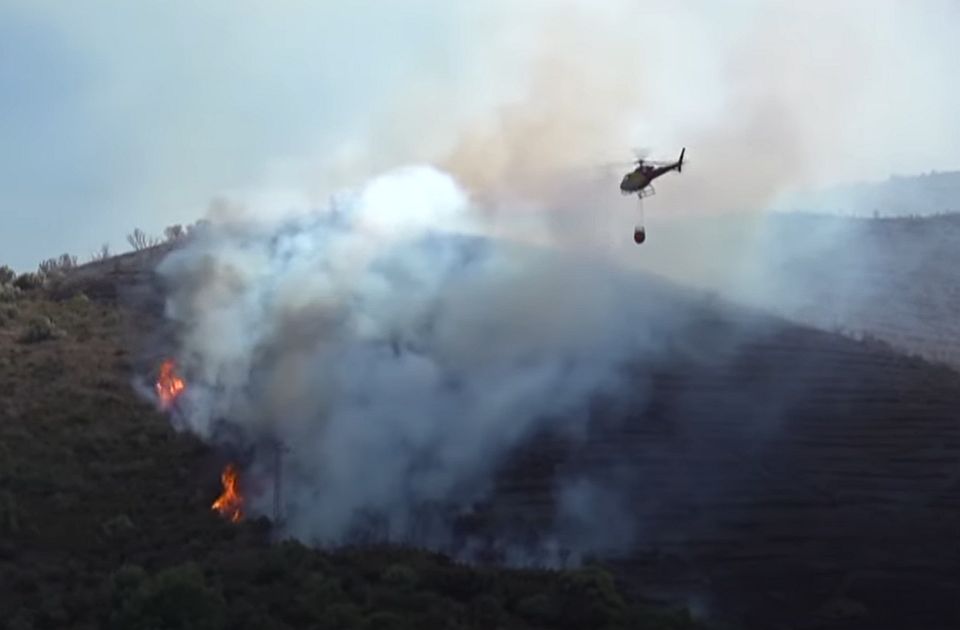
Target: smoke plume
[[402, 340], [397, 354]]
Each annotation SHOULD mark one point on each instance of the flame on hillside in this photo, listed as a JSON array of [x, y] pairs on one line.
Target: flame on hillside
[[230, 502], [169, 385]]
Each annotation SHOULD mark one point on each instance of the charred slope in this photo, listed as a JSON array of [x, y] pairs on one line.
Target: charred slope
[[795, 477]]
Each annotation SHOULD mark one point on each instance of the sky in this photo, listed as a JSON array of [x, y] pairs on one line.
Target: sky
[[116, 115]]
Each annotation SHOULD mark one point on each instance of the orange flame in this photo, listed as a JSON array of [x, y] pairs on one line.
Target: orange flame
[[230, 502], [169, 384]]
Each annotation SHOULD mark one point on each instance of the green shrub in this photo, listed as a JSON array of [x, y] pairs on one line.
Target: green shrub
[[340, 616], [8, 313], [8, 293], [539, 608], [23, 620], [28, 281], [41, 328], [7, 275], [9, 513], [384, 621], [127, 579], [53, 266], [591, 599], [399, 575], [118, 527], [174, 599], [487, 611]]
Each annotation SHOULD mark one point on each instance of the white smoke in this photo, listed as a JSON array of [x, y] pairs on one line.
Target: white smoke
[[397, 353]]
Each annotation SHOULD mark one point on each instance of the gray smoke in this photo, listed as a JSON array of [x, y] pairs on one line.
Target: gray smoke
[[397, 354]]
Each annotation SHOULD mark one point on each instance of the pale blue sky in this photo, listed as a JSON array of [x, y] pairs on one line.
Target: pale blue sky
[[116, 115]]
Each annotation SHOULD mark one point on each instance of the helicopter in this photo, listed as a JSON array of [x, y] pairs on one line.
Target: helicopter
[[640, 179], [639, 182]]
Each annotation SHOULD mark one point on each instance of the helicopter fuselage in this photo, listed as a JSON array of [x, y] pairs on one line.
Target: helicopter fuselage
[[642, 176]]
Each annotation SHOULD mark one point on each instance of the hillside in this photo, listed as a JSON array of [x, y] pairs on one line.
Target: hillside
[[767, 474], [893, 279], [896, 196], [106, 521]]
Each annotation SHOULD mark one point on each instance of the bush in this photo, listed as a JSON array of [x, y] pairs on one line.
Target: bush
[[9, 513], [101, 254], [28, 281], [384, 621], [8, 293], [7, 275], [175, 598], [139, 240], [591, 598], [539, 608], [399, 575], [41, 329], [23, 620], [118, 526], [53, 266]]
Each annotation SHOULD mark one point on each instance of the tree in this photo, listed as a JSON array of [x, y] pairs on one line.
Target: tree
[[51, 266], [174, 232], [101, 254], [173, 599], [139, 240], [7, 275]]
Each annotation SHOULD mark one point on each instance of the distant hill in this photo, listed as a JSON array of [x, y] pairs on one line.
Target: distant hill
[[931, 193], [896, 279]]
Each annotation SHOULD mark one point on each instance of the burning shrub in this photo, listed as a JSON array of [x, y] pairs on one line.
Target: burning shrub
[[28, 281], [7, 275], [230, 503], [169, 384], [41, 328]]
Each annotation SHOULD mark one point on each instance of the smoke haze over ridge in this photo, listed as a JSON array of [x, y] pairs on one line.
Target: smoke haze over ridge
[[276, 105]]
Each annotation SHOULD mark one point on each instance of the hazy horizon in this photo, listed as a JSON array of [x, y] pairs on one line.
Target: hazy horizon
[[122, 116]]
